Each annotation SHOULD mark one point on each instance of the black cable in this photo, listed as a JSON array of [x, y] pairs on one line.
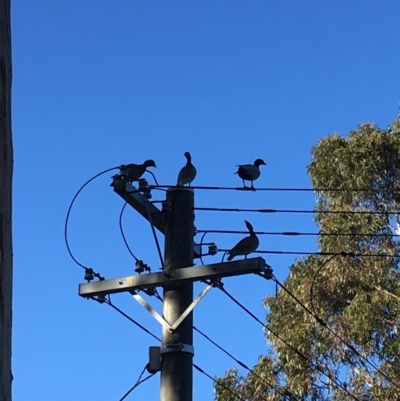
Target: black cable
[[108, 302], [274, 252], [306, 211], [296, 233], [154, 177], [324, 324], [286, 189], [201, 249], [218, 383], [123, 234], [243, 365], [154, 235], [69, 212], [138, 383], [338, 384]]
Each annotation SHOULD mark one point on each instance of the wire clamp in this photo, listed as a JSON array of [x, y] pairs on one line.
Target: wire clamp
[[178, 347]]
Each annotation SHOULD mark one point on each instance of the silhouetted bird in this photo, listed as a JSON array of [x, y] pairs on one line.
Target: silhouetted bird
[[246, 245], [188, 172], [133, 172], [250, 172]]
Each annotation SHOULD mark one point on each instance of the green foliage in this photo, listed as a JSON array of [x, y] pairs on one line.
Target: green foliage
[[356, 293]]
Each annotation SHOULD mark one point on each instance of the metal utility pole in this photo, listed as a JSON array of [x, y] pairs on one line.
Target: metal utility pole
[[174, 359], [177, 345]]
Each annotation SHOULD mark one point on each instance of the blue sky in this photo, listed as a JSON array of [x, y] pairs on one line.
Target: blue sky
[[98, 84]]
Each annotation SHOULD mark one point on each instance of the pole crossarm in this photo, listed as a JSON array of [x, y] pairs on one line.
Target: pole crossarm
[[144, 207], [176, 276]]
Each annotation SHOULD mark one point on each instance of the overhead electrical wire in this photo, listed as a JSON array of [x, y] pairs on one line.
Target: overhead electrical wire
[[325, 325], [247, 189], [69, 212], [294, 233], [139, 381], [300, 211], [108, 302], [121, 229], [243, 365], [299, 353], [352, 254]]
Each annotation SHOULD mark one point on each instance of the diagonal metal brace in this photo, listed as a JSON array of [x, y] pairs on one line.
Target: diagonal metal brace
[[160, 319], [152, 311], [190, 307]]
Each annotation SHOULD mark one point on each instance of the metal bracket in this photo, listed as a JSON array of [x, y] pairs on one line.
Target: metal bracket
[[179, 347], [152, 311], [190, 307], [160, 319]]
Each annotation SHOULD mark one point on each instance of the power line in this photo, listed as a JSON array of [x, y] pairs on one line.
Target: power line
[[338, 384], [275, 252], [324, 324], [108, 302], [139, 381], [303, 211], [243, 365], [246, 189], [295, 233], [121, 229], [69, 212]]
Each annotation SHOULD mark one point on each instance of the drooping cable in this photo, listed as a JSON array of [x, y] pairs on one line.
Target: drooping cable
[[121, 229], [325, 325], [243, 365], [299, 353], [155, 235], [69, 212], [139, 381]]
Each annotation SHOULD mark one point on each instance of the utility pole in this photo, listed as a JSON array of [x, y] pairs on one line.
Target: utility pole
[[174, 359], [177, 346]]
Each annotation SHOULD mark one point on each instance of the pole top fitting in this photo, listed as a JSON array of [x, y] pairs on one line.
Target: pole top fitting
[[178, 347]]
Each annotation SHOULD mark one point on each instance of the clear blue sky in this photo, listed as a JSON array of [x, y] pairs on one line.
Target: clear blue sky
[[98, 84]]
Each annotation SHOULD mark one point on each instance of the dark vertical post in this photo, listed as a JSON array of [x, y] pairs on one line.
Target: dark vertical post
[[6, 173], [176, 363]]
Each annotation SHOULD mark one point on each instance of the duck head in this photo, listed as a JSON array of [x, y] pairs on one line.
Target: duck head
[[150, 163], [249, 226], [188, 156], [259, 162]]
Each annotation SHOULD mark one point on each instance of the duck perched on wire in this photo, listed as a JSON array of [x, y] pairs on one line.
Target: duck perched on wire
[[250, 172], [188, 172], [133, 172], [246, 245]]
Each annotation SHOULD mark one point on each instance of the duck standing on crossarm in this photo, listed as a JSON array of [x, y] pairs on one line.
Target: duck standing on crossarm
[[246, 245], [133, 172]]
